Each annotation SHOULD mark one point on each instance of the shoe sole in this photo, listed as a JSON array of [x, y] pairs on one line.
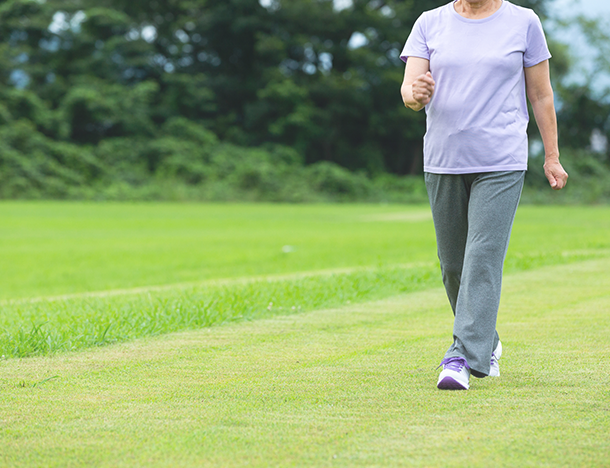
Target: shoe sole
[[449, 383]]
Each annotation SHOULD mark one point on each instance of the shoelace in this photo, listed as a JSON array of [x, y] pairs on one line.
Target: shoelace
[[454, 364]]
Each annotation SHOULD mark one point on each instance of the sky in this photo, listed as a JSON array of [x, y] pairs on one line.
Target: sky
[[566, 9], [588, 7]]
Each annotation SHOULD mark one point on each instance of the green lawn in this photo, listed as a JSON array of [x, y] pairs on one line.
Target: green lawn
[[289, 335], [168, 260], [51, 248], [348, 386]]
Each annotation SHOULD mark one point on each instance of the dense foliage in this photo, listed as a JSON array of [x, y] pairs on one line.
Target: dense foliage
[[295, 100]]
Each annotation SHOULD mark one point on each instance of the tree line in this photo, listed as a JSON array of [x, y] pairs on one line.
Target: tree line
[[287, 100]]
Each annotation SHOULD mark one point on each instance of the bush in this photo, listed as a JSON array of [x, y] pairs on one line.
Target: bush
[[34, 166], [394, 189], [185, 161], [336, 182]]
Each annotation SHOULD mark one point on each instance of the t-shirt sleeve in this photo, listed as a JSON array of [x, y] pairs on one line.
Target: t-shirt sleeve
[[536, 49], [416, 45]]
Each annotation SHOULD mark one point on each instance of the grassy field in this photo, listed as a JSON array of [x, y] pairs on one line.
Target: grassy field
[[49, 248], [181, 267], [348, 386], [338, 369]]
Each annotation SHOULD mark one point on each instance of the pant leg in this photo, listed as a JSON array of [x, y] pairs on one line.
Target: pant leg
[[491, 211], [473, 216], [449, 195]]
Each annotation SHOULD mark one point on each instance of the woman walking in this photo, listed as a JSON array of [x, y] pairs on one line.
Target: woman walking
[[470, 64]]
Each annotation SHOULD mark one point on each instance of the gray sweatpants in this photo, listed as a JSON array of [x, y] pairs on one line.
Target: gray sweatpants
[[473, 217]]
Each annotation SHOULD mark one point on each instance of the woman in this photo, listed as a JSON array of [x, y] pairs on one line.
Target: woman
[[471, 63]]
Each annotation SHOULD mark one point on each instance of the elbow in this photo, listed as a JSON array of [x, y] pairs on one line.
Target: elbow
[[546, 101], [404, 95], [407, 99], [413, 106], [541, 97]]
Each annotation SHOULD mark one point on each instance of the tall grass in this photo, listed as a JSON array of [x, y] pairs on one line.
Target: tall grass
[[45, 326]]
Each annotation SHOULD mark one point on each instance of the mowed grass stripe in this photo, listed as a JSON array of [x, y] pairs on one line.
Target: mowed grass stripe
[[515, 262], [223, 282], [349, 386], [58, 248], [58, 324], [36, 328]]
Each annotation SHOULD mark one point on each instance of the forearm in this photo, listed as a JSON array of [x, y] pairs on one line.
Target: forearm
[[418, 85], [544, 111], [546, 119]]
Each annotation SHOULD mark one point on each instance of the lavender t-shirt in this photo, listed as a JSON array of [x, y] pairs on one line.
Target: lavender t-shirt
[[477, 118]]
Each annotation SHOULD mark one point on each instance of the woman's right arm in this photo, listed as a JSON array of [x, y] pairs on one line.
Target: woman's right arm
[[418, 85]]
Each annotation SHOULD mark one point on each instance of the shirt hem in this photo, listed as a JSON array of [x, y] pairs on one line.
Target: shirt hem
[[474, 170]]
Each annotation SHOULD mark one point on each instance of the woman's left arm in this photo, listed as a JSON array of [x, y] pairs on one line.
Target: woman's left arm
[[540, 94]]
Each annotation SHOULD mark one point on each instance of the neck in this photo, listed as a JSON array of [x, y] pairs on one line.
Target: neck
[[477, 9]]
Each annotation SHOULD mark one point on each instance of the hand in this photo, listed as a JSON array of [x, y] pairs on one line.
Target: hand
[[423, 88], [553, 170]]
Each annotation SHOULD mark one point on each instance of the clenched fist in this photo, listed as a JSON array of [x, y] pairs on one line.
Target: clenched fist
[[423, 88], [557, 176]]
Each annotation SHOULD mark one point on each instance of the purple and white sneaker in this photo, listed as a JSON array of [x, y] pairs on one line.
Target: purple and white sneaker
[[455, 374], [494, 370]]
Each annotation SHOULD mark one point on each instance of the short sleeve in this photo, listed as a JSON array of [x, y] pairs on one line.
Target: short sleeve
[[416, 45], [536, 49]]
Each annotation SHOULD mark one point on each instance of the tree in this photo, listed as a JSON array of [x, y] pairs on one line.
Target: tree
[[117, 80]]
